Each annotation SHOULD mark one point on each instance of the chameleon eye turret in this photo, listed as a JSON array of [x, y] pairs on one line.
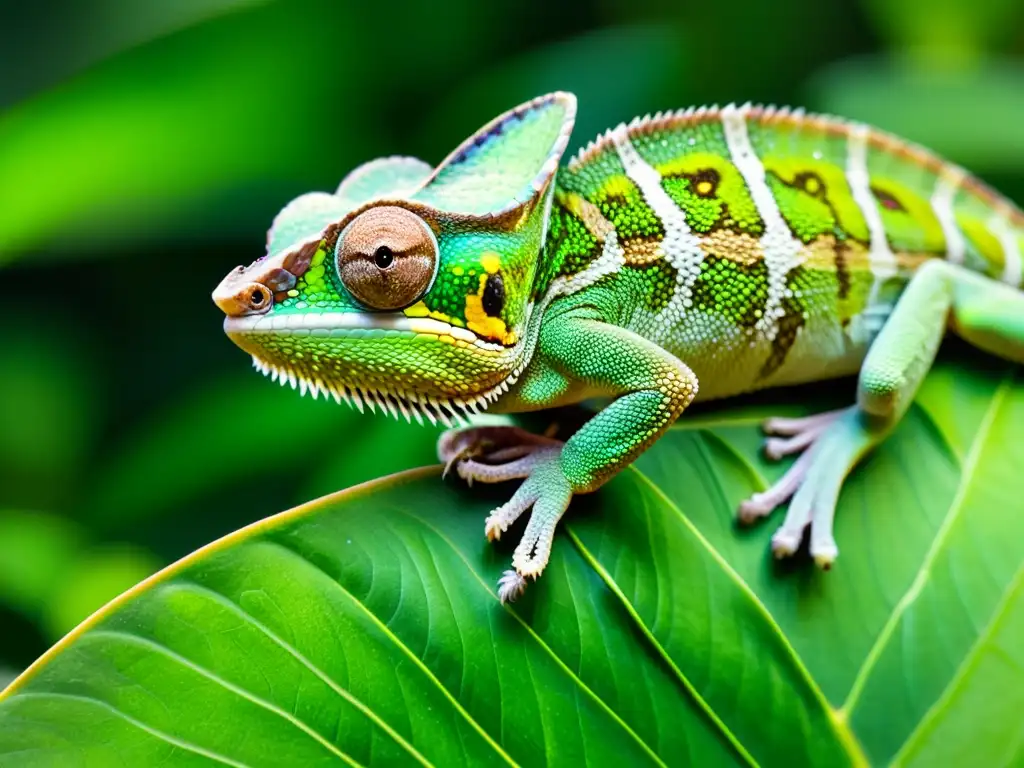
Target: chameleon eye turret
[[387, 257]]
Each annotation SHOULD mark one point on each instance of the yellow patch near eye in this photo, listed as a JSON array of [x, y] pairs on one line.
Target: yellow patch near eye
[[704, 187], [482, 324], [419, 309], [491, 262], [812, 184]]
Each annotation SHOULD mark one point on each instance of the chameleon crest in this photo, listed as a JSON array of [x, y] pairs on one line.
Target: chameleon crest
[[409, 287], [706, 252]]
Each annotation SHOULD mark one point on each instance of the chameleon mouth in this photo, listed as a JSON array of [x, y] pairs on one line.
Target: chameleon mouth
[[356, 324], [450, 411]]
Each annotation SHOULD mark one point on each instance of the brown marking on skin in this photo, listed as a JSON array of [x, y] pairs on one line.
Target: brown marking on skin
[[908, 262], [705, 182], [842, 270], [739, 247], [788, 329], [820, 253], [641, 253], [811, 183], [887, 200], [823, 252], [590, 215]]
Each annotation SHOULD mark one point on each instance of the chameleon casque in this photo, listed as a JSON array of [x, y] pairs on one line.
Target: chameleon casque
[[694, 254]]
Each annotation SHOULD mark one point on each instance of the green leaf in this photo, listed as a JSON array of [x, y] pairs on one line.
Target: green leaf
[[230, 430], [49, 572], [91, 30], [174, 135], [649, 60], [37, 547], [48, 410], [913, 100], [363, 627]]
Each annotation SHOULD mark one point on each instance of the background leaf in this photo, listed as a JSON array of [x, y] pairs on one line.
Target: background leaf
[[364, 626]]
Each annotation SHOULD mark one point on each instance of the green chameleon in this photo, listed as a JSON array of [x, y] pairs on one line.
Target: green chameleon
[[694, 254]]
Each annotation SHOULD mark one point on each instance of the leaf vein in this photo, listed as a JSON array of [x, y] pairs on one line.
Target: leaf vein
[[400, 644], [924, 572], [540, 642], [648, 633], [942, 701], [294, 652], [155, 732], [228, 686], [839, 727]]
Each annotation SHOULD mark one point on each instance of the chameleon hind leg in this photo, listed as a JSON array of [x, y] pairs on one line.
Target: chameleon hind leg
[[577, 355], [987, 314]]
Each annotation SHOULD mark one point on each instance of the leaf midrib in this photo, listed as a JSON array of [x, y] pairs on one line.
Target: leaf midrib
[[401, 645], [924, 572], [938, 707], [540, 642], [839, 726], [649, 635]]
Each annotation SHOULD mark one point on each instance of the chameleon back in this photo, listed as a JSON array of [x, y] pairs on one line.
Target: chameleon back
[[764, 247]]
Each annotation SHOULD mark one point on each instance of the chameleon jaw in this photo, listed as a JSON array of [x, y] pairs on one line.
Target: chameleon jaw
[[450, 410]]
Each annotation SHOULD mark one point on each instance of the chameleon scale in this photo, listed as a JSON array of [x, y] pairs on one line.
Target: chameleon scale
[[693, 254]]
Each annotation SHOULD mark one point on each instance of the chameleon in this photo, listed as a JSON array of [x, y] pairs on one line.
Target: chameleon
[[688, 255]]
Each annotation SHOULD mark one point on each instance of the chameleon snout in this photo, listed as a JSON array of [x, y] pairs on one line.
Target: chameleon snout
[[250, 290], [238, 295]]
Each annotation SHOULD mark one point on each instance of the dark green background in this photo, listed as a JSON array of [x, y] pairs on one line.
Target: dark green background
[[145, 147]]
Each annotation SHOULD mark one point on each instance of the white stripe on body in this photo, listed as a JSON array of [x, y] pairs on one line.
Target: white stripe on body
[[880, 255], [942, 204], [1010, 242], [680, 247], [782, 251]]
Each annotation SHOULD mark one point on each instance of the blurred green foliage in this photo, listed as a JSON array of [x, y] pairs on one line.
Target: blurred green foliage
[[145, 147]]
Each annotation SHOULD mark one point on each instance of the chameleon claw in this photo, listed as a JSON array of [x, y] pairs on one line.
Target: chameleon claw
[[448, 466], [824, 553], [785, 543], [510, 586]]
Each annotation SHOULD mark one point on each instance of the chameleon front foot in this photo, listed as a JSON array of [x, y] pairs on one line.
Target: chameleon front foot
[[496, 454], [828, 444]]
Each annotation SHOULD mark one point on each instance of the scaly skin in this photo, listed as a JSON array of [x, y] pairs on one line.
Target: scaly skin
[[695, 254]]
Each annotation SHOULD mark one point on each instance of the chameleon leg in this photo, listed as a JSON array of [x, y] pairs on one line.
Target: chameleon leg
[[653, 387], [990, 315]]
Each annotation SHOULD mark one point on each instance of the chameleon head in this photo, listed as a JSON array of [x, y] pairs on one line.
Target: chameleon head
[[410, 287]]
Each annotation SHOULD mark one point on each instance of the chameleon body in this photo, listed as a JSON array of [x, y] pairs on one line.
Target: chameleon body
[[696, 254]]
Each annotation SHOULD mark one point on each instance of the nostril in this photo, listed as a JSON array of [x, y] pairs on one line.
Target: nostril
[[258, 297]]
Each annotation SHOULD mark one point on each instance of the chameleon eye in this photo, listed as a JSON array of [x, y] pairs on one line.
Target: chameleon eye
[[387, 257]]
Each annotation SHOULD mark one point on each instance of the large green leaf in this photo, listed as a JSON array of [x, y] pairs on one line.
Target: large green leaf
[[363, 627]]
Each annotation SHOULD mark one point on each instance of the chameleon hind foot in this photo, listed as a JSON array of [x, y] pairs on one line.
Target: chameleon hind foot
[[496, 454], [829, 444], [786, 437]]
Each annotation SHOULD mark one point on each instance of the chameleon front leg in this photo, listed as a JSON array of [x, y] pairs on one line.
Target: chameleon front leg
[[577, 353], [988, 314]]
